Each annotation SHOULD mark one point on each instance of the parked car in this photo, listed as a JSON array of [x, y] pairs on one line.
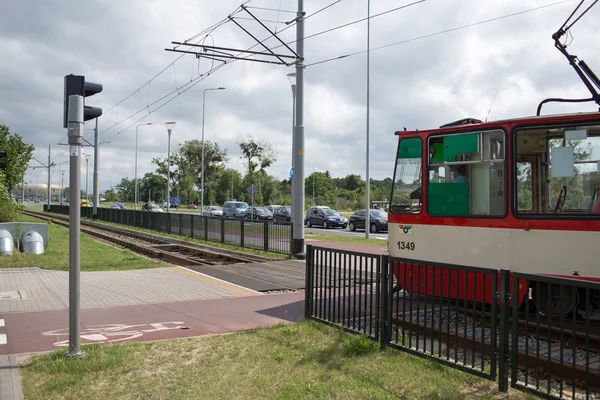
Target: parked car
[[378, 220], [273, 207], [115, 207], [260, 213], [213, 211], [121, 205], [325, 217], [85, 203], [156, 208], [235, 209], [282, 215], [192, 206]]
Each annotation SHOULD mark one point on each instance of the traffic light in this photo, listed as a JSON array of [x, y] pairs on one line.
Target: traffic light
[[2, 163], [76, 84]]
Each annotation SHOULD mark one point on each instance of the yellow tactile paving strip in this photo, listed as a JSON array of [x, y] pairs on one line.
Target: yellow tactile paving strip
[[242, 291]]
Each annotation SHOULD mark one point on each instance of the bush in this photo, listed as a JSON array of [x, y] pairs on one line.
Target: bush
[[9, 209]]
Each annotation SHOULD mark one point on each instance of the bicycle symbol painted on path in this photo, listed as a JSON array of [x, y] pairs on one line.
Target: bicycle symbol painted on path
[[110, 333]]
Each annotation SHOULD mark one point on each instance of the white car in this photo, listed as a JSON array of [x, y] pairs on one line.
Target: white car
[[213, 211], [156, 208]]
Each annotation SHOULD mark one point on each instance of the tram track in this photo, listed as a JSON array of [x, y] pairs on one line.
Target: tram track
[[569, 356], [172, 251]]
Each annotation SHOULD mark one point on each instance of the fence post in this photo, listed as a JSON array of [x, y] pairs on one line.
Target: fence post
[[242, 225], [180, 224], [503, 358], [291, 242], [222, 230], [192, 226], [308, 289], [205, 218], [383, 272], [266, 235]]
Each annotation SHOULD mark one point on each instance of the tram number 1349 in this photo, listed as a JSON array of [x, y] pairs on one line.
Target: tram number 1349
[[406, 245]]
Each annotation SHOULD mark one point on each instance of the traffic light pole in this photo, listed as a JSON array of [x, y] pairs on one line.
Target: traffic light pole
[[96, 194], [75, 132]]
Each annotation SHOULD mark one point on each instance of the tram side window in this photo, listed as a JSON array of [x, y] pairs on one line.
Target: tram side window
[[407, 192], [466, 175], [568, 159]]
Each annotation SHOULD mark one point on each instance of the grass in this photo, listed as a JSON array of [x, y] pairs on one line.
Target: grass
[[95, 256], [307, 360], [346, 239]]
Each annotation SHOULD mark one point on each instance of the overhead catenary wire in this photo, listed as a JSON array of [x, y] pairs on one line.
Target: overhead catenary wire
[[438, 33], [192, 82]]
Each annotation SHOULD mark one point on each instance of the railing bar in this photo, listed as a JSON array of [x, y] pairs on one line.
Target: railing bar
[[526, 333], [329, 273], [360, 273], [456, 319], [339, 287], [537, 335], [403, 302], [345, 284], [449, 294], [573, 339], [465, 307], [418, 301], [371, 298], [587, 343], [354, 263], [483, 306], [440, 311], [548, 387], [474, 316], [432, 329], [562, 329], [410, 324]]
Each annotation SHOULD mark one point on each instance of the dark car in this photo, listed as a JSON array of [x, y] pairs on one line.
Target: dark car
[[260, 213], [378, 220], [282, 215], [325, 217]]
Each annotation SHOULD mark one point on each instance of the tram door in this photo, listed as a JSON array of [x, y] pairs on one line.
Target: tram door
[[528, 200]]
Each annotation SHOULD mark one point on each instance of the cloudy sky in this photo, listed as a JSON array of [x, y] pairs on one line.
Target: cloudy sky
[[419, 83]]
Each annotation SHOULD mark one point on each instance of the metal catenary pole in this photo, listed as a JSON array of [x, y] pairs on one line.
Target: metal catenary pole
[[298, 156], [75, 131], [95, 183], [49, 166], [368, 183]]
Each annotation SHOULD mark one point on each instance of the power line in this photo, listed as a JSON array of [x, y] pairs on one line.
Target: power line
[[439, 33], [193, 81]]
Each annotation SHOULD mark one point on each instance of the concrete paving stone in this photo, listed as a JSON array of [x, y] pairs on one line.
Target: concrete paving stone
[[49, 290]]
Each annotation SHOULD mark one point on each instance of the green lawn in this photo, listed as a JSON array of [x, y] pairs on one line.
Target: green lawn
[[95, 256], [307, 360]]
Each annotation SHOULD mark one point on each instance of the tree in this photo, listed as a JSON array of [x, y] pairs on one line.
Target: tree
[[256, 154], [126, 189], [9, 209], [186, 168], [152, 187], [17, 158]]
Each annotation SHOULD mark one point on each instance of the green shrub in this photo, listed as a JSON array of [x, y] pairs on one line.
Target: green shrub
[[9, 209]]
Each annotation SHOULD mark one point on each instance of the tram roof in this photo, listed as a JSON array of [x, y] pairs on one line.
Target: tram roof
[[581, 116]]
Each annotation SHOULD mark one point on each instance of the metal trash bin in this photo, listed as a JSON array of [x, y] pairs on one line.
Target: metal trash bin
[[32, 243], [7, 243]]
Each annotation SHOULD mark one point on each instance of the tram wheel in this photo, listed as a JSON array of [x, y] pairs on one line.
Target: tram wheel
[[548, 301]]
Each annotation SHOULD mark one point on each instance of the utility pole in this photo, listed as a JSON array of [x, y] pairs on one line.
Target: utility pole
[[87, 159], [368, 189], [298, 156], [95, 183], [49, 166], [75, 132]]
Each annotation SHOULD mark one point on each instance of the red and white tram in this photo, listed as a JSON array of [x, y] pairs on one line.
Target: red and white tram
[[519, 194]]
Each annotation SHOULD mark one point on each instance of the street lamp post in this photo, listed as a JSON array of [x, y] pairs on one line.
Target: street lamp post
[[170, 126], [136, 150], [87, 159], [202, 178], [368, 188], [292, 79]]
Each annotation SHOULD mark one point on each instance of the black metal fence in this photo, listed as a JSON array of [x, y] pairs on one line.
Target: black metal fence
[[260, 235], [535, 332]]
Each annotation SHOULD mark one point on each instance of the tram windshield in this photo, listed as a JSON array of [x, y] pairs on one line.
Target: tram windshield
[[407, 193], [558, 171]]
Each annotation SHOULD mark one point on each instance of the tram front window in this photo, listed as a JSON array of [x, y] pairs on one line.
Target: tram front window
[[563, 178], [407, 192]]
